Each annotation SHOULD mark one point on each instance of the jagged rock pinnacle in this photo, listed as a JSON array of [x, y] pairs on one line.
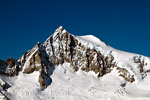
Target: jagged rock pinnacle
[[60, 30]]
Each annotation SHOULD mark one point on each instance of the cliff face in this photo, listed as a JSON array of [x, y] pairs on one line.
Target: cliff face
[[62, 47]]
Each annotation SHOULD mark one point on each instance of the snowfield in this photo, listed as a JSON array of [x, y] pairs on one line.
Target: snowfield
[[67, 85]]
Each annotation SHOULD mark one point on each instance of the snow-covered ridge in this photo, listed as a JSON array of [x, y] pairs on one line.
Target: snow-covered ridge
[[92, 39], [92, 42]]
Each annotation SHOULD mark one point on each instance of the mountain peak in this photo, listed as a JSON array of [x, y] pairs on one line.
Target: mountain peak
[[60, 30], [62, 55]]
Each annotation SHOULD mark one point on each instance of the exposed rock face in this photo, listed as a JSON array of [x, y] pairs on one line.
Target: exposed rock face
[[3, 66], [141, 63], [125, 74], [3, 86], [36, 59], [64, 47], [10, 67], [59, 48], [2, 97], [11, 62]]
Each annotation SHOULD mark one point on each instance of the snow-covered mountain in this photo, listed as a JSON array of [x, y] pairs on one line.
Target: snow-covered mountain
[[75, 68]]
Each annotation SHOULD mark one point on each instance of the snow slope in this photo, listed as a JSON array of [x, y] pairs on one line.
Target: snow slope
[[77, 86]]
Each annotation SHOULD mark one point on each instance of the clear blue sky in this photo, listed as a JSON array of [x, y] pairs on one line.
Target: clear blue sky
[[122, 24]]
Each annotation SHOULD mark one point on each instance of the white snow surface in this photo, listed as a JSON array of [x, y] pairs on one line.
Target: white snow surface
[[92, 42], [92, 39], [68, 85]]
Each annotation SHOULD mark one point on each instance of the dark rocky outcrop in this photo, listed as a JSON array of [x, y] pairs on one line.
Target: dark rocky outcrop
[[3, 67], [3, 97], [125, 74]]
